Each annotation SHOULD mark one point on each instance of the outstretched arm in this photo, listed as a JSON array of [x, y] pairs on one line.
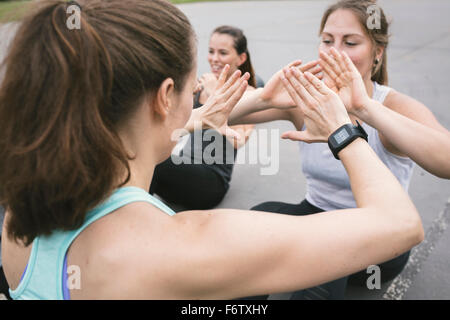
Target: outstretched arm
[[271, 102], [416, 133], [428, 147], [232, 253]]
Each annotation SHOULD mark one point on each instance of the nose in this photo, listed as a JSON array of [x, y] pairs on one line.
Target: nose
[[338, 47], [214, 57]]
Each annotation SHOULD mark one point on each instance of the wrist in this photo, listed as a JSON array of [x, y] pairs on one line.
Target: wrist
[[352, 149], [261, 102], [362, 111], [195, 122], [344, 136]]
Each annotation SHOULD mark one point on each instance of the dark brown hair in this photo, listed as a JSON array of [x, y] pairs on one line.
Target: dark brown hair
[[240, 44], [379, 36], [66, 93]]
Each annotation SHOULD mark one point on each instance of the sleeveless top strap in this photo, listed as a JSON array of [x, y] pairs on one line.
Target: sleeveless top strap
[[44, 272]]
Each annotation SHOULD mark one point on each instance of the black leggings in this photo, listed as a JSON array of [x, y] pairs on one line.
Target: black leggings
[[334, 290], [3, 284], [193, 186]]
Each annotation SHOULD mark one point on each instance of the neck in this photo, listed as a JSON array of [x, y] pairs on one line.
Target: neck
[[141, 174], [144, 161]]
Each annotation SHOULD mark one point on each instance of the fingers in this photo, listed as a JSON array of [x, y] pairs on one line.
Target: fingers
[[338, 58], [223, 77], [313, 92], [237, 95], [313, 67], [330, 83], [293, 87], [296, 63], [309, 66], [295, 135], [317, 84], [237, 86], [230, 133], [350, 66], [198, 88], [329, 65], [231, 81]]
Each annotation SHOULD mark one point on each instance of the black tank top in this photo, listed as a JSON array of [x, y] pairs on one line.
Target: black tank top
[[223, 167]]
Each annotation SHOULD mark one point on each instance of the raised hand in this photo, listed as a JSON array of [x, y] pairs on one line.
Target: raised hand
[[322, 108], [274, 91], [207, 83], [216, 110], [343, 77]]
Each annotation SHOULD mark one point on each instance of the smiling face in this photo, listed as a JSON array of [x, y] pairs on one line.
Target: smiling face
[[223, 52], [344, 31]]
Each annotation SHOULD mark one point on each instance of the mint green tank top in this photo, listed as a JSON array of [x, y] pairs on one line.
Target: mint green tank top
[[45, 275]]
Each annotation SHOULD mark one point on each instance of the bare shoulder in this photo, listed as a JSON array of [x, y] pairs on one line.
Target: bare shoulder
[[412, 108], [403, 103], [113, 253]]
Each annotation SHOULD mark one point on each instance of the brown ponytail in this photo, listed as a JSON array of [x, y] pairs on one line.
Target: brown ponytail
[[379, 36], [240, 44], [64, 96]]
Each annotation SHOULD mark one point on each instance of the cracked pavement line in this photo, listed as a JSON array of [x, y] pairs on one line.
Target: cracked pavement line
[[399, 287]]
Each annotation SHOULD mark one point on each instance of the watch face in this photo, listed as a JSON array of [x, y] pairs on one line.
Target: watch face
[[341, 136]]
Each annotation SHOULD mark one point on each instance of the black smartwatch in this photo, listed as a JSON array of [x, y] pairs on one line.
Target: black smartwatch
[[345, 135]]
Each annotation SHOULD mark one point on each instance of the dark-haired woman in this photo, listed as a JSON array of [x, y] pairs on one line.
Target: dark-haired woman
[[189, 178], [78, 151]]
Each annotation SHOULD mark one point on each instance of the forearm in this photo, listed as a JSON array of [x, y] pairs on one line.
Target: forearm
[[428, 147], [263, 117], [373, 184], [261, 252], [250, 103]]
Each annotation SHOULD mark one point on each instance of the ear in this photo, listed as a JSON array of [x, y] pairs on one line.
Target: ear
[[164, 99], [242, 58], [379, 51]]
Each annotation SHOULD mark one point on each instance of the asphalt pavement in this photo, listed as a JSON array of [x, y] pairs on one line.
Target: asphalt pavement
[[279, 32]]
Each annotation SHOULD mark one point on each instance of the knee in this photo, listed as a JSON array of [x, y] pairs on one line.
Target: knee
[[210, 198], [267, 207]]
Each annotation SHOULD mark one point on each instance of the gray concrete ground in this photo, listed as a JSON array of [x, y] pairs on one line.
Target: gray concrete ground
[[282, 31]]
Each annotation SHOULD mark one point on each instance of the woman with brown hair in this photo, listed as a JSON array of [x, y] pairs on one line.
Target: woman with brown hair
[[87, 114], [390, 119]]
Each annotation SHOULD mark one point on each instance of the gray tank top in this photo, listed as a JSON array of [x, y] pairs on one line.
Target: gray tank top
[[328, 184]]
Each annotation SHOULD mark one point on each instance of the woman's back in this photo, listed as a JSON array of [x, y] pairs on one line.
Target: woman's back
[[93, 248]]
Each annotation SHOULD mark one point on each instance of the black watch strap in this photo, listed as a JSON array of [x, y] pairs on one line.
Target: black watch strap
[[345, 135]]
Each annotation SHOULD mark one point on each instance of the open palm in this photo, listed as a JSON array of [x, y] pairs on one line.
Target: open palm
[[343, 77], [323, 110], [225, 96], [274, 91]]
